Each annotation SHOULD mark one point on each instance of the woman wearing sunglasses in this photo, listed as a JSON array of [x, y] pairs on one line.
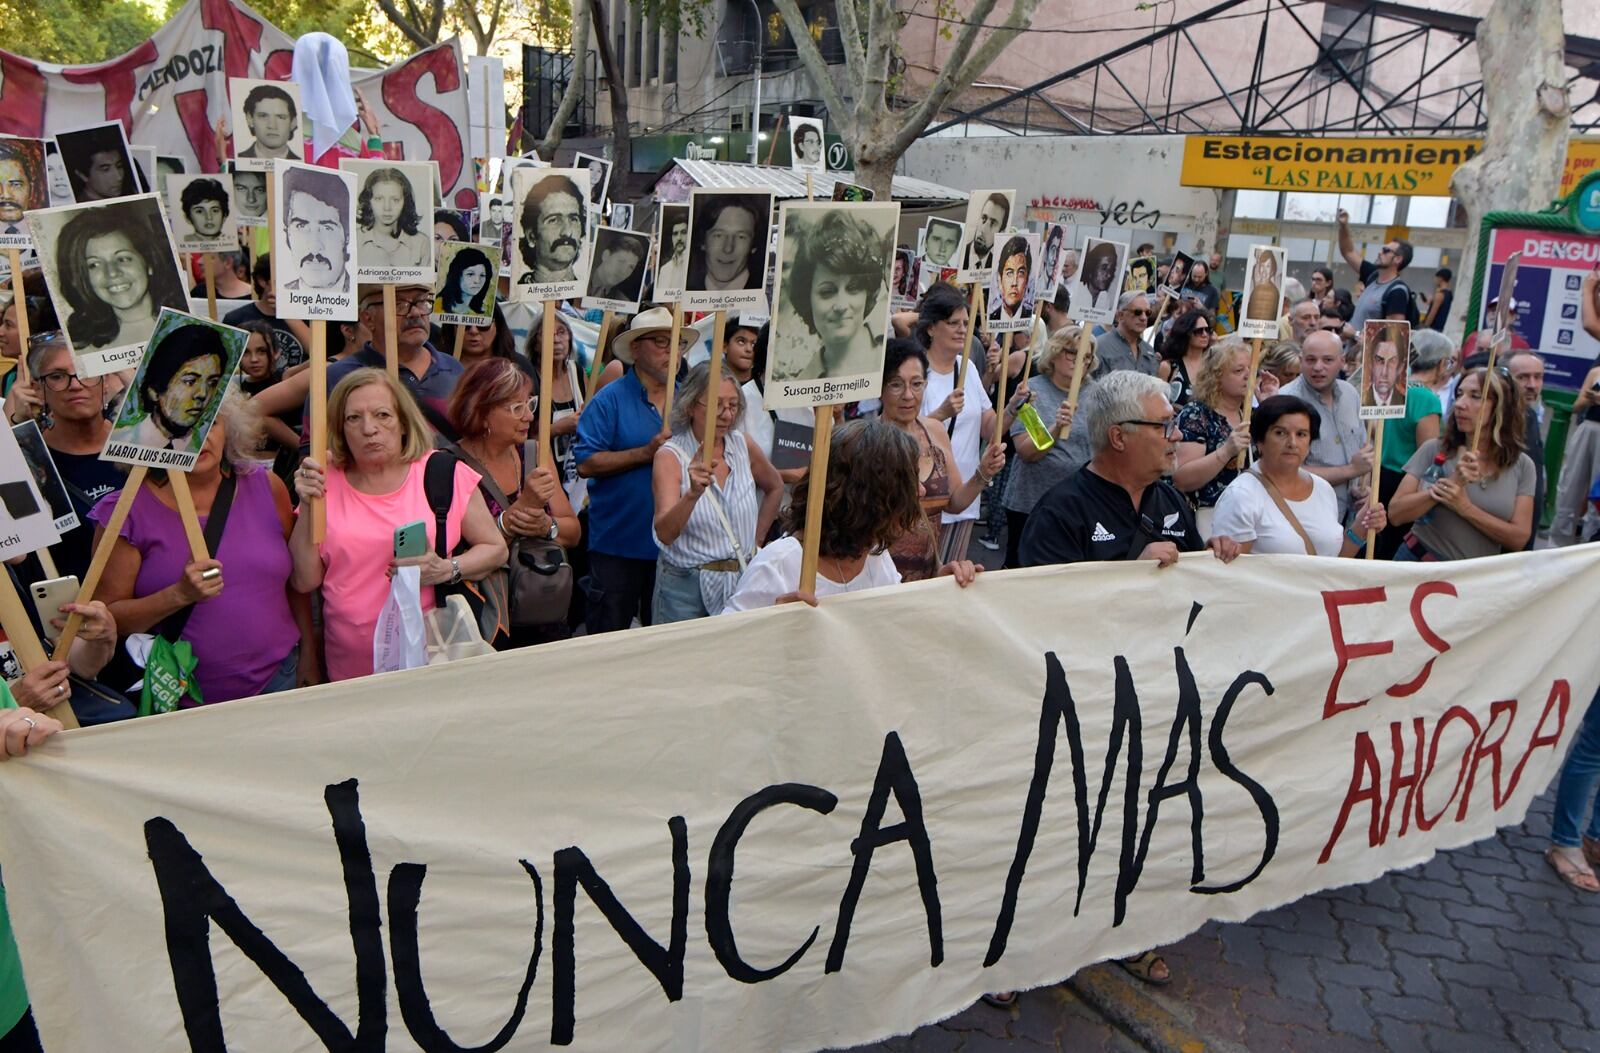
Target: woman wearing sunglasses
[[1183, 350]]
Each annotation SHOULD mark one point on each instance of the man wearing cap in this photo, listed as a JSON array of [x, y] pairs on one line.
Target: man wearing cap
[[618, 435], [1486, 334], [429, 375], [1383, 293]]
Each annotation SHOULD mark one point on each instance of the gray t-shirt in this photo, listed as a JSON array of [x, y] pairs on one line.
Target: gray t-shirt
[[1029, 480], [1340, 435], [1112, 352], [1445, 533]]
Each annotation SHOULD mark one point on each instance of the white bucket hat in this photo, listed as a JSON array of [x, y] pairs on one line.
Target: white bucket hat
[[655, 320]]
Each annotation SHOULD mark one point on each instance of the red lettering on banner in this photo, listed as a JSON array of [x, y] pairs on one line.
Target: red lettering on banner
[[241, 37], [1346, 651], [1431, 638], [278, 66], [21, 96], [1484, 748], [119, 79], [1560, 698], [1453, 713], [1407, 781], [1364, 786], [441, 132], [193, 111]]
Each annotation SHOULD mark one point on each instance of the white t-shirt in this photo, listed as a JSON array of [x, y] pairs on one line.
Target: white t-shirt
[[757, 422], [776, 572], [966, 441], [1246, 512]]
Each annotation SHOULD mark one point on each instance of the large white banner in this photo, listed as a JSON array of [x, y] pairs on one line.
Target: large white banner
[[170, 91], [789, 829]]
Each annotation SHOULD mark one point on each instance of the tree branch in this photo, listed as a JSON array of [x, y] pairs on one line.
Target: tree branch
[[404, 25], [469, 15], [569, 98], [964, 65], [855, 61], [812, 60]]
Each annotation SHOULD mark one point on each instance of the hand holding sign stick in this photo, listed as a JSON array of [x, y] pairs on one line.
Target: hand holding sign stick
[[17, 298], [713, 389], [319, 421], [1077, 371]]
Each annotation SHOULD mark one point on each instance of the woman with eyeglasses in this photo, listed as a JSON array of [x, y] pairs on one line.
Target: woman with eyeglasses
[[708, 519], [1036, 470], [1182, 352], [492, 410], [917, 554], [1213, 427], [1462, 502]]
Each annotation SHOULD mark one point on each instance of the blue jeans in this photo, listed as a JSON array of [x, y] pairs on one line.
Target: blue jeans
[[1580, 778], [677, 597], [287, 676]]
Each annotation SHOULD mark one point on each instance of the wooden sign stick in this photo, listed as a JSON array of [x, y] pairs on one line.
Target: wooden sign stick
[[102, 556], [319, 420], [597, 361], [1161, 311], [1000, 400], [713, 389], [47, 563], [1377, 467], [272, 218], [391, 336], [208, 265], [816, 491], [186, 512], [672, 359], [1249, 392], [1077, 369], [547, 382], [1483, 391], [25, 642], [461, 333], [1033, 349], [21, 302]]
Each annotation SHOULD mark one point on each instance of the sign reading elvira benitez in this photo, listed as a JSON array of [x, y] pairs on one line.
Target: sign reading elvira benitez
[[625, 844]]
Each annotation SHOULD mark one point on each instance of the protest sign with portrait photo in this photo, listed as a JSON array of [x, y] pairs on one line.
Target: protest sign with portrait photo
[[176, 393], [616, 270], [729, 231], [1262, 301], [495, 226], [599, 170], [1141, 276], [672, 253], [1177, 275], [453, 224], [110, 268], [167, 166], [144, 166], [941, 240], [550, 218], [1011, 287], [807, 152], [831, 320], [1053, 242], [393, 245], [988, 213], [249, 196], [313, 245], [30, 523], [98, 163], [467, 282], [46, 477], [903, 282], [620, 216], [265, 122], [1385, 368], [843, 191], [23, 188], [1098, 282], [202, 213]]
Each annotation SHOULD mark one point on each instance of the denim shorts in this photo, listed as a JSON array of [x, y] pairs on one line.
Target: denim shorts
[[677, 597], [287, 676]]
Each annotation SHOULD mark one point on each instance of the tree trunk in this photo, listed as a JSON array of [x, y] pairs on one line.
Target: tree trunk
[[876, 173], [569, 98], [621, 144], [1520, 50]]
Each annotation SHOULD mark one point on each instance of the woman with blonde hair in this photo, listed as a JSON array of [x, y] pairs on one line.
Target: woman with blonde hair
[[1463, 502], [1036, 470], [1214, 431], [378, 444]]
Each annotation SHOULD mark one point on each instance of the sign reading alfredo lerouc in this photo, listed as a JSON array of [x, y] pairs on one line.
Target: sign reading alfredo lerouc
[[612, 850]]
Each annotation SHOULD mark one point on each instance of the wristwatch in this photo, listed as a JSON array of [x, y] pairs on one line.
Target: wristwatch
[[555, 529], [455, 572]]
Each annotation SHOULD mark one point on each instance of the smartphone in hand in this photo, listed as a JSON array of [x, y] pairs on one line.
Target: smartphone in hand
[[48, 596], [410, 540]]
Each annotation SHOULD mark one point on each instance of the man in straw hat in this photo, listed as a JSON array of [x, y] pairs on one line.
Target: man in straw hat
[[618, 435]]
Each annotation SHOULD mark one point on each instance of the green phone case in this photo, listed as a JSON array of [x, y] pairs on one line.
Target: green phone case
[[410, 540]]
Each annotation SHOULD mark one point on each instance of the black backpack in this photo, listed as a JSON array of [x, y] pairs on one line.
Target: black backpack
[[487, 598]]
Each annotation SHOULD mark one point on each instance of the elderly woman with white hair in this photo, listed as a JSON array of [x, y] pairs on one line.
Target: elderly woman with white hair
[[153, 585], [708, 518], [1066, 450]]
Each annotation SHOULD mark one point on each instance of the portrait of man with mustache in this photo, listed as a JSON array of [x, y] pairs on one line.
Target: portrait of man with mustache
[[22, 187], [554, 221], [316, 229]]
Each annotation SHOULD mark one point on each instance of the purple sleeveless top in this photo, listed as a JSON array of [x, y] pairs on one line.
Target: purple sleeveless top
[[242, 635]]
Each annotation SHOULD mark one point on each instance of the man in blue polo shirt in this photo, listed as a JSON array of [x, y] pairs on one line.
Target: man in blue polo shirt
[[428, 374], [618, 435]]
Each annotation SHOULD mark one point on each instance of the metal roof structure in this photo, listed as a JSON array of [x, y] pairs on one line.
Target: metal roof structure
[[787, 184]]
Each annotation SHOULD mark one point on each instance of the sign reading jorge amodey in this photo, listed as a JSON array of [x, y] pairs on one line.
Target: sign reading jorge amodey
[[1363, 166]]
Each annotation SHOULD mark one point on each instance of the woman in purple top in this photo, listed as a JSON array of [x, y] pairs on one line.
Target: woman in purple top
[[250, 633]]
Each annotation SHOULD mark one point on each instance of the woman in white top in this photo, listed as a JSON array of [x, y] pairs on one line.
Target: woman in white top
[[870, 502], [1282, 429], [708, 519]]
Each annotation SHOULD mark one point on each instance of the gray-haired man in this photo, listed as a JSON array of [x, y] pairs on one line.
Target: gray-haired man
[[1123, 346]]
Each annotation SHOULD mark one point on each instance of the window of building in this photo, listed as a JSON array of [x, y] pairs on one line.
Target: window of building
[[635, 59]]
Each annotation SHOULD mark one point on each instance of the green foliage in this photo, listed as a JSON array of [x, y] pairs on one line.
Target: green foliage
[[75, 31], [679, 16]]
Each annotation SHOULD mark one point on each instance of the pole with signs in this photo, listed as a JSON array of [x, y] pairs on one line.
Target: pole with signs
[[1375, 437], [1077, 369], [208, 265], [816, 492], [102, 556], [1000, 399], [319, 421], [21, 302], [713, 388], [190, 517], [597, 361], [1502, 335], [391, 336], [673, 357], [547, 351]]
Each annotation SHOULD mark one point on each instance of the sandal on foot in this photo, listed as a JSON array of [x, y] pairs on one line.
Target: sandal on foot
[[1574, 873], [1149, 967], [1591, 850], [1001, 999]]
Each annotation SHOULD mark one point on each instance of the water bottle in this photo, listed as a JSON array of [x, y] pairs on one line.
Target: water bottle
[[1434, 473], [1042, 439]]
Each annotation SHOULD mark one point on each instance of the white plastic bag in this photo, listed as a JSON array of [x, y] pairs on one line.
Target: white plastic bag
[[453, 633], [400, 639]]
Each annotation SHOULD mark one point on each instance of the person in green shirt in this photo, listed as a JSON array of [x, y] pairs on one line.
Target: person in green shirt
[[1424, 415]]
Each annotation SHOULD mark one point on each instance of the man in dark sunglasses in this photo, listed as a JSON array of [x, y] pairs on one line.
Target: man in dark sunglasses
[[1384, 295], [1124, 346]]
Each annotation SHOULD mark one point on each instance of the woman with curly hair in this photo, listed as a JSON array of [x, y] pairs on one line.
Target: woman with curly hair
[[869, 503], [1213, 427], [388, 223], [834, 285], [1463, 503], [1182, 351], [112, 279], [468, 284]]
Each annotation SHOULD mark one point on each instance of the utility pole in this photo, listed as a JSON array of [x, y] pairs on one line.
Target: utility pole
[[755, 108]]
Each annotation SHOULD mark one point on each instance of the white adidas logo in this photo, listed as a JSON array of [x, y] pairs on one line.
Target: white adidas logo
[[1102, 534]]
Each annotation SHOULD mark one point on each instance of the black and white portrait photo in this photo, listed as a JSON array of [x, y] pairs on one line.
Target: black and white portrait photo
[[599, 170], [265, 122], [22, 188], [468, 275], [903, 282], [940, 240], [45, 474], [30, 522], [1098, 281], [1262, 302], [167, 166], [616, 270], [1177, 275], [620, 216], [1011, 288], [672, 252], [313, 245], [453, 224], [110, 268], [988, 213], [393, 241], [728, 238], [201, 207], [832, 316], [550, 217], [1055, 241], [176, 393], [249, 196], [807, 152], [98, 163]]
